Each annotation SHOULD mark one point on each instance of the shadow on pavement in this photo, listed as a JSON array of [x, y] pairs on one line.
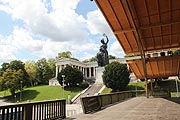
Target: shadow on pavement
[[174, 99]]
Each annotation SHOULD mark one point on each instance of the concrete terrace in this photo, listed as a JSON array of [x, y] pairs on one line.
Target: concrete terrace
[[139, 108]]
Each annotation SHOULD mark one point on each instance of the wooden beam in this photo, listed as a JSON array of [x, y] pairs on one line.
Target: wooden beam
[[158, 25], [124, 31]]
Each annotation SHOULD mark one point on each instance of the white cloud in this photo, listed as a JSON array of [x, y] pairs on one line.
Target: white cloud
[[7, 51], [60, 24], [116, 49], [97, 23], [86, 55], [46, 32]]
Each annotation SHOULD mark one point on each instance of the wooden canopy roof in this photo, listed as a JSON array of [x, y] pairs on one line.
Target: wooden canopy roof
[[157, 67], [143, 26]]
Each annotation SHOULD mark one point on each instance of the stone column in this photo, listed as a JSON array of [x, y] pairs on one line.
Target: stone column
[[85, 72], [90, 72], [94, 70], [57, 70]]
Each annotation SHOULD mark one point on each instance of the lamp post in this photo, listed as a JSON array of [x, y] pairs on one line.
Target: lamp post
[[21, 91], [177, 89], [63, 76]]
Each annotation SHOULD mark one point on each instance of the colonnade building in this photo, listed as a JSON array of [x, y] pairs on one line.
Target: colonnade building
[[88, 69]]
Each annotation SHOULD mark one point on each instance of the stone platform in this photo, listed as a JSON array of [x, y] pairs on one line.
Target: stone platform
[[139, 108]]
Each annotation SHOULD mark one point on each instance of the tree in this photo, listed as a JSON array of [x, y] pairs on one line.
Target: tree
[[30, 68], [2, 84], [5, 66], [43, 71], [18, 65], [51, 63], [112, 57], [12, 80], [66, 54], [116, 76], [176, 52], [73, 76], [93, 59]]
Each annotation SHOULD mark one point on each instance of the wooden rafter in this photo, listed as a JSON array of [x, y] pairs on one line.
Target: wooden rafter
[[158, 25]]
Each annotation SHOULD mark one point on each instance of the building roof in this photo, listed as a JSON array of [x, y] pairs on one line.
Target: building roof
[[157, 67], [143, 26]]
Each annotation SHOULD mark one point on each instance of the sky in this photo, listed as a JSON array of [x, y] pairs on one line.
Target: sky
[[35, 29]]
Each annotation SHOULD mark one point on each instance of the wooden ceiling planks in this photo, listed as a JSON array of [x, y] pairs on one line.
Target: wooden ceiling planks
[[157, 67]]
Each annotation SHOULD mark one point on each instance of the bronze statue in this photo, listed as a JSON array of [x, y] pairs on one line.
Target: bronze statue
[[102, 55]]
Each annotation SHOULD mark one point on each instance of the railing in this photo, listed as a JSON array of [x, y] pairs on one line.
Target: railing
[[161, 93], [95, 103], [34, 111]]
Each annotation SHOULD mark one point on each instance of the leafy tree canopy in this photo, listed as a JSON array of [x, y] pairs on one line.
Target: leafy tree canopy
[[66, 54], [12, 80], [73, 76], [31, 68], [44, 73], [116, 76], [93, 59]]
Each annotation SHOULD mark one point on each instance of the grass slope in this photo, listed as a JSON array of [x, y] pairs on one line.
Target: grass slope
[[131, 86], [169, 84], [45, 92]]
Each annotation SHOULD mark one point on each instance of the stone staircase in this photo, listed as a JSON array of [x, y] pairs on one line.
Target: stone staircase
[[94, 89]]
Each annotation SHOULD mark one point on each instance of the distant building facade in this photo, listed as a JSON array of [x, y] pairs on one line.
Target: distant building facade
[[88, 69]]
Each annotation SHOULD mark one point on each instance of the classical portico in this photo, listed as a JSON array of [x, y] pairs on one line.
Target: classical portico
[[89, 69]]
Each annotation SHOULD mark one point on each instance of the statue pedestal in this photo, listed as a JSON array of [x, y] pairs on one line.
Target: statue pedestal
[[99, 73]]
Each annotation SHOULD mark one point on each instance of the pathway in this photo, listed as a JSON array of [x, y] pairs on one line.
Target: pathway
[[95, 88], [4, 101]]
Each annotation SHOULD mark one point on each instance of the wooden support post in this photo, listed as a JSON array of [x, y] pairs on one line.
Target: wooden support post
[[151, 88], [147, 92]]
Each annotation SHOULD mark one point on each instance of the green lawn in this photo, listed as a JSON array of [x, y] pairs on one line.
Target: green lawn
[[174, 94], [44, 92], [131, 86]]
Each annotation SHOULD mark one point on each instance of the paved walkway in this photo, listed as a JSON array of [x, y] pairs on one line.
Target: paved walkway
[[4, 102], [139, 108], [94, 89]]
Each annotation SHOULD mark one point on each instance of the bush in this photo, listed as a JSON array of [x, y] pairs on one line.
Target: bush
[[116, 76], [84, 85]]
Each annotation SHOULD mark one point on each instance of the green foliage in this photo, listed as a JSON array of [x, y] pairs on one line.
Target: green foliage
[[134, 85], [11, 80], [84, 85], [66, 54], [16, 65], [1, 84], [93, 59], [44, 72], [4, 66], [30, 68], [111, 57], [73, 76], [176, 52], [52, 64], [116, 76], [131, 86]]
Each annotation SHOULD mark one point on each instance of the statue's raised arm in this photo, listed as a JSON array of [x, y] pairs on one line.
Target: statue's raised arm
[[107, 39]]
